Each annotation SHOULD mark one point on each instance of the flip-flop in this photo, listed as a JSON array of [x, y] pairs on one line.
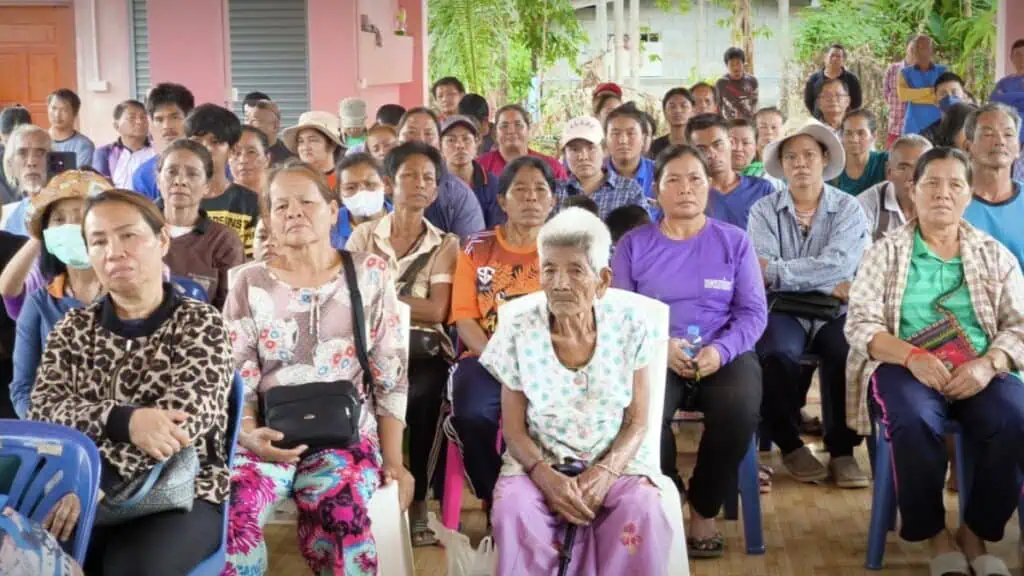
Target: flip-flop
[[712, 547], [421, 534], [764, 478], [989, 565], [949, 564]]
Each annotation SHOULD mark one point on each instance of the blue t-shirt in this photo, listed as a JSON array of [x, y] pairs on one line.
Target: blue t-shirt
[[1002, 221], [644, 174], [734, 207], [16, 221], [920, 116]]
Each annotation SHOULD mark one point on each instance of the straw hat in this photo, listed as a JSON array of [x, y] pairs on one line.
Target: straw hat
[[325, 122], [820, 132], [69, 184]]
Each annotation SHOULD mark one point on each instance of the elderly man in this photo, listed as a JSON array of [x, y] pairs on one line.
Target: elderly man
[[917, 87], [265, 116], [25, 168], [456, 209], [888, 204], [809, 238], [993, 142], [10, 118], [582, 144]]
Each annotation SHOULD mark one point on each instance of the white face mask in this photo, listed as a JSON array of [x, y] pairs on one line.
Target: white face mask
[[364, 203]]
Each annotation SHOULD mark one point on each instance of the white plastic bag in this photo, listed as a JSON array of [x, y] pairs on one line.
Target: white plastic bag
[[463, 560]]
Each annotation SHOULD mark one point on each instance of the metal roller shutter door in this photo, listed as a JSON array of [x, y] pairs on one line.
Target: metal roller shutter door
[[269, 53], [141, 81]]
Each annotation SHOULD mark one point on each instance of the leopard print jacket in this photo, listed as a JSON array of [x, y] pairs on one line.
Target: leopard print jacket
[[96, 370]]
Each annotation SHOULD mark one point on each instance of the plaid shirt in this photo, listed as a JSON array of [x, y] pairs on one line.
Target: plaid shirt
[[994, 282], [613, 193], [897, 109]]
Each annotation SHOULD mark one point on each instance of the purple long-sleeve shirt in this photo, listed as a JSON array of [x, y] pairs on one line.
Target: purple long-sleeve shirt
[[712, 280]]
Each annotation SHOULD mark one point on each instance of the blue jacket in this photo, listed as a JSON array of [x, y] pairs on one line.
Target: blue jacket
[[485, 187], [42, 310]]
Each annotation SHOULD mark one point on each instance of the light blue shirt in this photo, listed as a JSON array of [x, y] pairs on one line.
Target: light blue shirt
[[816, 262], [16, 221], [1002, 221]]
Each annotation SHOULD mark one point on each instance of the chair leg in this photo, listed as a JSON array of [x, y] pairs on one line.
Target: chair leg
[[883, 502], [750, 492], [454, 477]]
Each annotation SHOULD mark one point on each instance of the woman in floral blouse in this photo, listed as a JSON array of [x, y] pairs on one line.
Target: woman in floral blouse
[[936, 325], [575, 387], [290, 324]]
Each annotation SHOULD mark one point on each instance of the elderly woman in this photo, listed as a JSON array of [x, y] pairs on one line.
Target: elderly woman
[[146, 374], [575, 390], [291, 323], [723, 304], [56, 227], [936, 326], [495, 267], [422, 259], [25, 168], [201, 250], [316, 140], [832, 103]]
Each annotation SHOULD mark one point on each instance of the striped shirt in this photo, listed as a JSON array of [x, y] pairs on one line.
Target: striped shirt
[[614, 192], [897, 109], [814, 262], [994, 282]]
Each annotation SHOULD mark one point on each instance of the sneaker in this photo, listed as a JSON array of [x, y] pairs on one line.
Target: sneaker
[[847, 473], [803, 466]]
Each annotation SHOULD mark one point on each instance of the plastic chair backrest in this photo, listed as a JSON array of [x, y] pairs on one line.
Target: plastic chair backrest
[[655, 312], [54, 461], [235, 402], [190, 288]]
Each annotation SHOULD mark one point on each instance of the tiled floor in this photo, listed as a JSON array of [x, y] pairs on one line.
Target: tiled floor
[[809, 530]]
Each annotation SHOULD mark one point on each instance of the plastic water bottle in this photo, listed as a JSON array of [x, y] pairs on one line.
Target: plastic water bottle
[[693, 339]]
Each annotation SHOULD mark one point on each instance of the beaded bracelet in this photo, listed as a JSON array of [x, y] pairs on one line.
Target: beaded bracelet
[[910, 355]]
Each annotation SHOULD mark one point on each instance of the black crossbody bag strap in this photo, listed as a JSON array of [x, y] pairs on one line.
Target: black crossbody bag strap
[[358, 320]]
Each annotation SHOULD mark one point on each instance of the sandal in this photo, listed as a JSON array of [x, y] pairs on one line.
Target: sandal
[[712, 547], [421, 534], [949, 564], [764, 478], [989, 565]]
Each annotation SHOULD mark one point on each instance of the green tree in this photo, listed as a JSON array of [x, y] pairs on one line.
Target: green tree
[[499, 46]]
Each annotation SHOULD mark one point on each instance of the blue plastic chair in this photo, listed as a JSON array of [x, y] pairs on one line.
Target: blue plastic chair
[[213, 565], [883, 497], [190, 288], [55, 461], [748, 493]]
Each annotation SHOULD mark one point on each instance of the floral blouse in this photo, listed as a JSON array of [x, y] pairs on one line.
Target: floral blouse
[[575, 413], [286, 336]]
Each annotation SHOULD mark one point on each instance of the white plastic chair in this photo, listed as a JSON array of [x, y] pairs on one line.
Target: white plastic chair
[[657, 313], [389, 525]]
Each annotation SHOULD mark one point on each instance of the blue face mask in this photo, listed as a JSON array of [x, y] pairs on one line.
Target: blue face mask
[[66, 244], [948, 102]]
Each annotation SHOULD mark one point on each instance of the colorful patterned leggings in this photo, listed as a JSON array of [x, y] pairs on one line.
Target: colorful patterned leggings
[[332, 489]]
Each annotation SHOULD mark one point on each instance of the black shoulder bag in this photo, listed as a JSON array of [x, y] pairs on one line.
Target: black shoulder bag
[[323, 414], [806, 305], [422, 343]]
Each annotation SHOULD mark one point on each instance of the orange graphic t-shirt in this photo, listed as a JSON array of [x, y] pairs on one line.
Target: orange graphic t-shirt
[[489, 273]]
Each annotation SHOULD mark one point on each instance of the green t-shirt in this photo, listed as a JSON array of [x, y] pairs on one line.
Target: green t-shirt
[[874, 172], [755, 168], [929, 278]]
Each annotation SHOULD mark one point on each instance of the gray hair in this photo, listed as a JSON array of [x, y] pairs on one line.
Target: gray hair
[[14, 142], [577, 228], [971, 123], [911, 141]]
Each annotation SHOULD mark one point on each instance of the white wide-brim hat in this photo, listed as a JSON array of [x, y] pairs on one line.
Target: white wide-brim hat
[[820, 132]]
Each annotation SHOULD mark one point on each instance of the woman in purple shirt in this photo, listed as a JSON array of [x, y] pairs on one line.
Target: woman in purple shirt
[[707, 272]]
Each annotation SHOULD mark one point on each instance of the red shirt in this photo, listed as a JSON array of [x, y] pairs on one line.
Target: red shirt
[[495, 163]]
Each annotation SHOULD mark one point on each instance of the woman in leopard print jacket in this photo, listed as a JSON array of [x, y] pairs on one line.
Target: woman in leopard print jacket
[[144, 372]]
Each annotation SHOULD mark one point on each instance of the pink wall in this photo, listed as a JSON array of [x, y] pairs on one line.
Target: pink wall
[[187, 44], [113, 84], [333, 45], [1010, 22], [415, 93]]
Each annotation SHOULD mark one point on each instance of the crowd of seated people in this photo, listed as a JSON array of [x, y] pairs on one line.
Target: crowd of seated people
[[199, 246]]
